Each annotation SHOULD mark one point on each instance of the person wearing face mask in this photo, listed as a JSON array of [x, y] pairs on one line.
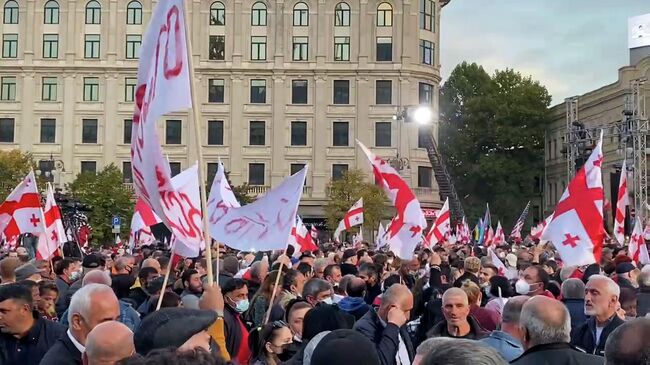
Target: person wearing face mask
[[296, 311], [269, 342], [386, 328], [332, 273], [533, 282], [317, 291], [235, 293], [67, 271], [368, 273], [601, 303]]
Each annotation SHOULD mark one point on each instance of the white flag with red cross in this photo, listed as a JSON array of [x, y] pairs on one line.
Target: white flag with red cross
[[300, 238], [21, 212], [499, 235], [496, 261], [441, 228], [637, 248], [537, 231], [54, 237], [353, 217], [163, 87], [621, 202], [405, 230], [576, 229]]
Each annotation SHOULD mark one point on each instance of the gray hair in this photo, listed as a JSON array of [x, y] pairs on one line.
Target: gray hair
[[343, 284], [541, 331], [644, 279], [512, 309], [315, 286], [612, 287], [463, 352], [573, 289], [82, 299], [320, 263], [428, 345]]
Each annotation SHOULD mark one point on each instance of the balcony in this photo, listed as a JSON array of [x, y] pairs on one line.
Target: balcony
[[424, 193], [257, 190]]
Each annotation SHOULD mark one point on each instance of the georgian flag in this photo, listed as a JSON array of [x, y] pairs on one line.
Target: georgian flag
[[637, 249], [621, 202], [499, 236], [441, 228], [21, 212], [353, 217], [496, 261], [54, 237], [300, 238]]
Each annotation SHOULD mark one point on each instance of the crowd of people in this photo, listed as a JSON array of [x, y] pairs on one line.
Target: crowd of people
[[338, 305]]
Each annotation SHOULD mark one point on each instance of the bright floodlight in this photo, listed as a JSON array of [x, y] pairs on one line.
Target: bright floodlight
[[423, 115]]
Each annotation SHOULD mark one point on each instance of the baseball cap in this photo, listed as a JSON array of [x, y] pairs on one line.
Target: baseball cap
[[92, 261]]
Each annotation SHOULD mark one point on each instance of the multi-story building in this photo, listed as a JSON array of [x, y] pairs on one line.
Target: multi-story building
[[279, 84]]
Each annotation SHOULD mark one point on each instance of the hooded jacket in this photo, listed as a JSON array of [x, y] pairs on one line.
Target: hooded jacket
[[354, 306]]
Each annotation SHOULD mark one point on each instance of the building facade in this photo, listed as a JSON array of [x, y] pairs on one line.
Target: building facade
[[279, 84]]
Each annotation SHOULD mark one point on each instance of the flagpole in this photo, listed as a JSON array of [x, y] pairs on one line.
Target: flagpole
[[162, 291], [197, 136], [275, 288]]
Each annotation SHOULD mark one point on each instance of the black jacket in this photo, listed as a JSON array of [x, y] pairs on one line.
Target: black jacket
[[466, 276], [576, 309], [33, 346], [385, 338], [584, 336], [348, 269], [232, 330], [556, 354], [643, 302], [475, 330], [138, 296], [63, 352], [62, 286], [431, 304]]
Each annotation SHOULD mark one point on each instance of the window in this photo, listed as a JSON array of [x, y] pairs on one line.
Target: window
[[340, 134], [342, 15], [89, 167], [427, 12], [255, 174], [258, 91], [212, 171], [341, 92], [91, 46], [10, 45], [91, 89], [383, 92], [298, 133], [217, 13], [341, 48], [300, 48], [93, 12], [133, 42], [134, 14], [11, 12], [175, 168], [299, 91], [424, 177], [216, 90], [7, 130], [127, 173], [173, 131], [89, 131], [8, 88], [51, 12], [48, 93], [215, 132], [424, 135], [128, 127], [426, 52], [383, 134], [129, 88], [384, 15], [258, 48], [301, 15], [258, 14], [296, 167], [48, 130], [50, 45], [426, 93], [384, 48], [338, 170], [217, 47], [257, 133]]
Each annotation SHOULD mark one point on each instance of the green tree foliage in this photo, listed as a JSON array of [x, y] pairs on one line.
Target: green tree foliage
[[492, 138], [106, 196], [14, 166], [344, 192]]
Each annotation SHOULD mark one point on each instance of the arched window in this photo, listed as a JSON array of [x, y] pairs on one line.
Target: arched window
[[342, 15], [51, 12], [258, 14], [301, 15], [217, 13], [384, 15], [134, 13], [93, 12], [11, 12]]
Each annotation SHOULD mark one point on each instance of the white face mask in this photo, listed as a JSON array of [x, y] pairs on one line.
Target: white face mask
[[522, 287], [328, 300]]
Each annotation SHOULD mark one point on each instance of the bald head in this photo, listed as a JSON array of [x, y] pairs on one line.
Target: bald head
[[96, 277], [456, 293], [545, 321], [629, 343], [398, 296], [151, 262], [107, 343], [356, 288]]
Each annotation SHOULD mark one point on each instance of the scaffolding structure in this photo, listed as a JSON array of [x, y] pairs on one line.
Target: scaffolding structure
[[631, 131]]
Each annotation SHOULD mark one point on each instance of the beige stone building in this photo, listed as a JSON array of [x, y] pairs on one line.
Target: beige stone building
[[279, 83]]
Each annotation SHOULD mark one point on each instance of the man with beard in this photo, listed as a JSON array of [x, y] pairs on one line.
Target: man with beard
[[193, 288], [368, 273], [139, 295]]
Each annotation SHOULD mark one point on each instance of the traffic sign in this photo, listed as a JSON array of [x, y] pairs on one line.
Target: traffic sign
[[117, 221]]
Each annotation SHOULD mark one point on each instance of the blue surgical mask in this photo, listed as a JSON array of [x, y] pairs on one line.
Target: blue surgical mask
[[242, 306]]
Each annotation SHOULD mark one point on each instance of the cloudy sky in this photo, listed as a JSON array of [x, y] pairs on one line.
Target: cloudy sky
[[570, 46]]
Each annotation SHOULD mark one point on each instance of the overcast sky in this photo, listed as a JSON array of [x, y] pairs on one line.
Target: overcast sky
[[570, 46]]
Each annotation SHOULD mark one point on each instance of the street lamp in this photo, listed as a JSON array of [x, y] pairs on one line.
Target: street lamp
[[47, 168], [420, 115]]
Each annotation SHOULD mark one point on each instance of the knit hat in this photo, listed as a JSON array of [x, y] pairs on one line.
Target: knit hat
[[472, 264], [171, 327], [345, 346]]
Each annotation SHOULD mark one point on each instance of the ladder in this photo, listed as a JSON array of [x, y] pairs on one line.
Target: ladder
[[445, 182]]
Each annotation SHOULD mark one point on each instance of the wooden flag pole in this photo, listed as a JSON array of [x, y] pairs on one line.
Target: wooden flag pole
[[164, 287], [275, 288], [196, 114]]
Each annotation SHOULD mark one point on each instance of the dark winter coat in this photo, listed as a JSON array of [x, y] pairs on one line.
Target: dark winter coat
[[556, 354], [385, 338], [584, 336]]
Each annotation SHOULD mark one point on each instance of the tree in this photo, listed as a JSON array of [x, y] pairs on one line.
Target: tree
[[14, 166], [106, 196], [492, 138], [344, 192]]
